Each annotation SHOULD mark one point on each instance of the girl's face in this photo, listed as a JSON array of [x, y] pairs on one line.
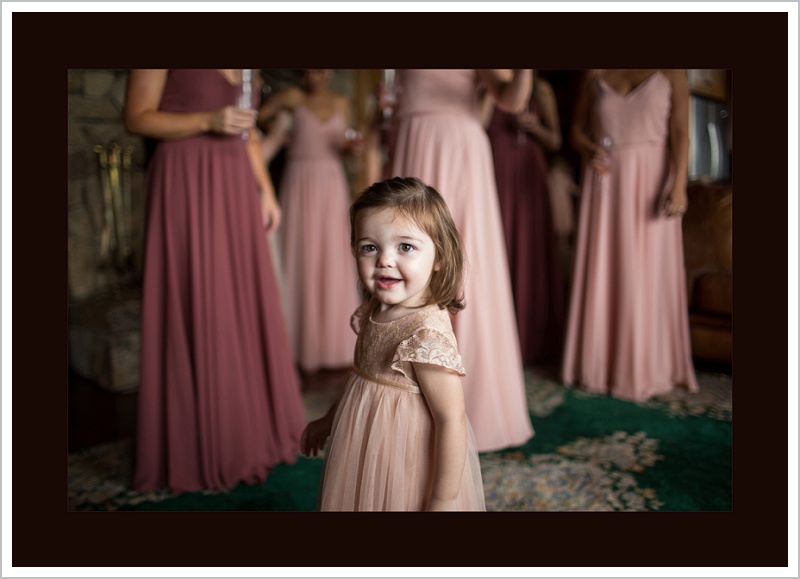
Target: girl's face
[[395, 258]]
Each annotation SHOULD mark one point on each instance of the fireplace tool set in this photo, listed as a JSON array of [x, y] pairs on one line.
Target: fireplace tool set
[[115, 179]]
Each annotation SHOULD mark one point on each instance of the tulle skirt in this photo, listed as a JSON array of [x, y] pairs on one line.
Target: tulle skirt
[[380, 454]]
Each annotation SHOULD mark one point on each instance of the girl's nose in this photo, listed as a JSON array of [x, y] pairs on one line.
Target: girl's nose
[[385, 259]]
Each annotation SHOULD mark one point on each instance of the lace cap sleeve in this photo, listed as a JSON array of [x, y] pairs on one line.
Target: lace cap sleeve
[[357, 319], [427, 346]]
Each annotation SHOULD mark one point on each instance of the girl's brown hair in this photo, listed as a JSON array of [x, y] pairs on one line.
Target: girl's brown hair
[[425, 206]]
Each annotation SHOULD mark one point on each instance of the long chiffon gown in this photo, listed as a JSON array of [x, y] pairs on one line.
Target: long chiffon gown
[[521, 170], [441, 141], [219, 400], [380, 453], [319, 270], [628, 328]]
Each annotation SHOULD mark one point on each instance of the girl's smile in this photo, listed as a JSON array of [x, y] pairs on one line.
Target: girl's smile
[[385, 282]]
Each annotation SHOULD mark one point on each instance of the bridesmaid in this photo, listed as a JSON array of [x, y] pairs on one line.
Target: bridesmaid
[[520, 143], [439, 139], [628, 326], [219, 400], [320, 279]]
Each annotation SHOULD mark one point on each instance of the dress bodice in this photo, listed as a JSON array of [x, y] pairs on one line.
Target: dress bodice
[[313, 138], [438, 91], [384, 350], [192, 90], [639, 117]]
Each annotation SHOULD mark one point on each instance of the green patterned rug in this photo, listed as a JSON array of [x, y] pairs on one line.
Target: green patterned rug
[[590, 453]]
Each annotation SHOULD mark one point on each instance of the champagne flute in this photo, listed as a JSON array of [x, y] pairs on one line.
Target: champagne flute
[[605, 164], [245, 100], [390, 97]]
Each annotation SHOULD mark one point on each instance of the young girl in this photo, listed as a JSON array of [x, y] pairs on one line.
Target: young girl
[[399, 435]]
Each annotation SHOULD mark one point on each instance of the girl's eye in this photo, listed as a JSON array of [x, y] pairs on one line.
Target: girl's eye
[[406, 248], [367, 248]]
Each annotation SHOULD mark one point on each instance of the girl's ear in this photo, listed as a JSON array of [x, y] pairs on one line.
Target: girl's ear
[[437, 265]]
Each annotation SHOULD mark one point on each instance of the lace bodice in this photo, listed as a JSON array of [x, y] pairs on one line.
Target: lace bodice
[[385, 350]]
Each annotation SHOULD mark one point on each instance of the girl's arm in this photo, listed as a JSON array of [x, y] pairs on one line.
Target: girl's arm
[[142, 117], [445, 397], [511, 89], [677, 200], [317, 431]]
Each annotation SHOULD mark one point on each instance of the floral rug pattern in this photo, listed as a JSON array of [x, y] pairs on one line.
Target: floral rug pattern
[[584, 474]]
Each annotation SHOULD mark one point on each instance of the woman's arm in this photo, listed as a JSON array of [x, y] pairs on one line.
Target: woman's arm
[[580, 132], [545, 127], [511, 88], [445, 397], [277, 135], [142, 117], [677, 201], [270, 209], [486, 109], [286, 99]]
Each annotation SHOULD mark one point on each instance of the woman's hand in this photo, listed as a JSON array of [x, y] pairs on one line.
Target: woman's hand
[[353, 143], [314, 436], [231, 120], [529, 121], [270, 211], [600, 160], [676, 202]]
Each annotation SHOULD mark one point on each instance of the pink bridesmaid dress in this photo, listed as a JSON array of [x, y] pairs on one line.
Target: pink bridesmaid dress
[[441, 141], [628, 328], [319, 271]]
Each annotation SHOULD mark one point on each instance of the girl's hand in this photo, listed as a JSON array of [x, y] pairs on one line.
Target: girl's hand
[[270, 212], [231, 120], [314, 436], [676, 202], [435, 505]]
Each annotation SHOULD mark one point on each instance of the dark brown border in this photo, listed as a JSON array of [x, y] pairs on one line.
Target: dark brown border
[[45, 45]]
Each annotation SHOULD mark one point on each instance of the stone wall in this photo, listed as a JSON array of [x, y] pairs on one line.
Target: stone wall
[[95, 103], [103, 295], [104, 287]]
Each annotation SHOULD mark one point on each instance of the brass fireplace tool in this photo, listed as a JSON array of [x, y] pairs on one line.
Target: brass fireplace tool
[[115, 178]]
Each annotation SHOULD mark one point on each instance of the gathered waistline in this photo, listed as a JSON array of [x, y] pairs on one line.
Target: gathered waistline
[[413, 389], [636, 144]]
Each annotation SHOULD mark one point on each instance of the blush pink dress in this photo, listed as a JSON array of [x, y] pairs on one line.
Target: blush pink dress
[[380, 453], [441, 141], [219, 399], [320, 277], [628, 328]]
